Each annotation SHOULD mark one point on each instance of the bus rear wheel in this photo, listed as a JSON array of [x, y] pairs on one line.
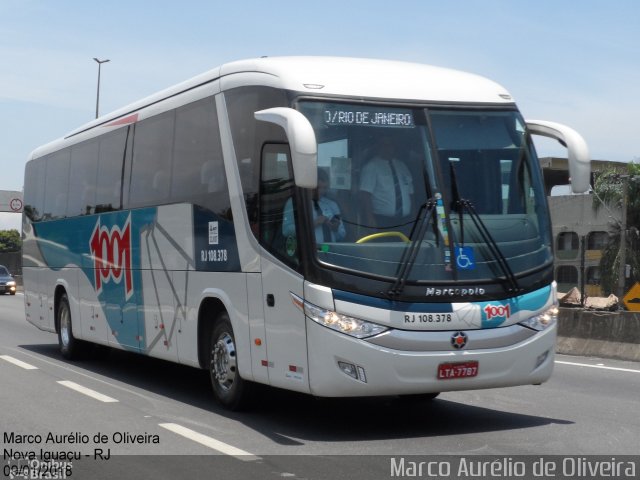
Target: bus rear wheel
[[229, 388], [70, 347]]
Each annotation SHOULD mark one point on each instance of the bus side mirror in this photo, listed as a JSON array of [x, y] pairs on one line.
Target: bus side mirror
[[578, 152], [302, 142]]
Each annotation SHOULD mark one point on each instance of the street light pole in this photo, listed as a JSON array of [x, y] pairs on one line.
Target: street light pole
[[100, 62]]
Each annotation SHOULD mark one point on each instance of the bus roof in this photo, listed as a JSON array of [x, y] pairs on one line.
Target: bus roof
[[349, 77], [370, 78]]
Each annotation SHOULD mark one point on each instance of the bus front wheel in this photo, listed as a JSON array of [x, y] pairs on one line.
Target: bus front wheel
[[228, 386]]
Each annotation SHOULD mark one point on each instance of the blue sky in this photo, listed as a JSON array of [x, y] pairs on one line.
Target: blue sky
[[576, 63]]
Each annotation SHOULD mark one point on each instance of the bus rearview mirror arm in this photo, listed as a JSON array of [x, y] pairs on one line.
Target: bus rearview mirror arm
[[302, 141], [577, 150]]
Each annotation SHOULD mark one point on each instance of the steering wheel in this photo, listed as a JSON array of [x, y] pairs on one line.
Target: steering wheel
[[375, 236]]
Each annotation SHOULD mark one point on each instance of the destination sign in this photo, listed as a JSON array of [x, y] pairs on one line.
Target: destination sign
[[368, 117]]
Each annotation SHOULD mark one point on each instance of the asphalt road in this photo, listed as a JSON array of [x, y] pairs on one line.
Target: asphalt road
[[158, 420]]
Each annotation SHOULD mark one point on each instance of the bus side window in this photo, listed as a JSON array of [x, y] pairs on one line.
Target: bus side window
[[82, 178], [198, 173], [152, 154], [57, 185], [277, 209], [34, 189], [249, 135], [109, 179]]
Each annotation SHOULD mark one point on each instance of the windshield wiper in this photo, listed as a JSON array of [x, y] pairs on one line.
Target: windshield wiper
[[511, 285], [411, 252]]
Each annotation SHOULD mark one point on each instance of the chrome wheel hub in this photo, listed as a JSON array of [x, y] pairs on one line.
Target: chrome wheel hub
[[223, 361], [65, 326]]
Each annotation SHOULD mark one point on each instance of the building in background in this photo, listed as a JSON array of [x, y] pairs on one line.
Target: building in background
[[576, 227]]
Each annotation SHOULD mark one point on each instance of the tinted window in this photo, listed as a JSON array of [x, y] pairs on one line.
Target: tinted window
[[277, 207], [249, 135], [198, 169], [112, 150], [56, 185], [151, 170], [34, 189], [82, 179]]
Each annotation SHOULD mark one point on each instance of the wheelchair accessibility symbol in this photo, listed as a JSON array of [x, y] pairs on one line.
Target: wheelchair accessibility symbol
[[465, 259]]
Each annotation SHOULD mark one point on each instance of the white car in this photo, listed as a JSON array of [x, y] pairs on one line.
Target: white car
[[7, 283]]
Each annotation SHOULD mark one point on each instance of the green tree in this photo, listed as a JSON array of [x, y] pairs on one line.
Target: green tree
[[10, 241], [608, 187]]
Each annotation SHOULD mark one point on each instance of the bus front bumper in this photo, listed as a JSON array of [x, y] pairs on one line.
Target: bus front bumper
[[384, 371]]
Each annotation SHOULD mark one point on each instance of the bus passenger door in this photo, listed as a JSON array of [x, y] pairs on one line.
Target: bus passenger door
[[286, 334], [286, 338]]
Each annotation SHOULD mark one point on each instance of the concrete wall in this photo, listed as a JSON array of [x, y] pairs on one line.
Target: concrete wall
[[599, 334]]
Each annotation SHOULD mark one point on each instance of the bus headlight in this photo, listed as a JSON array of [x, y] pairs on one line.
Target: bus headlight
[[342, 323], [543, 320]]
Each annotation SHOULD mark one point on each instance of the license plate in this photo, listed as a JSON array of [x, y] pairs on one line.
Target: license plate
[[450, 371]]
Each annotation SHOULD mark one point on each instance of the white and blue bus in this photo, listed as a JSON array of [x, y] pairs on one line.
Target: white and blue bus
[[160, 229]]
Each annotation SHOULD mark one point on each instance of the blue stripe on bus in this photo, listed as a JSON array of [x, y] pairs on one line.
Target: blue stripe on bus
[[108, 249], [114, 268], [531, 302]]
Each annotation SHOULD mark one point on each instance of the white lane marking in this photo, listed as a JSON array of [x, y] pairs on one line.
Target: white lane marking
[[96, 379], [87, 391], [617, 369], [17, 362], [210, 442]]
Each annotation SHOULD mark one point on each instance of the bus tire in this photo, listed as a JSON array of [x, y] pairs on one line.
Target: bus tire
[[229, 388], [70, 347]]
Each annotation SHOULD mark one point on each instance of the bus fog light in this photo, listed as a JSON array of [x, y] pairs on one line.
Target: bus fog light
[[354, 371], [349, 369], [541, 358], [542, 321]]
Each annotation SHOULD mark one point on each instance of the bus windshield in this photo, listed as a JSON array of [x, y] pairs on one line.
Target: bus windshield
[[470, 177]]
